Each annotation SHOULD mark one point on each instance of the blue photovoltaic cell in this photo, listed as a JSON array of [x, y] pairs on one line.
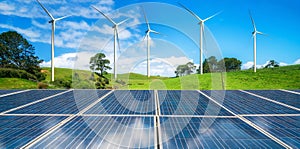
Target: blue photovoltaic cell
[[223, 133], [16, 131], [188, 103], [126, 102], [102, 132], [65, 103], [2, 92], [13, 101], [284, 128], [243, 103], [281, 96]]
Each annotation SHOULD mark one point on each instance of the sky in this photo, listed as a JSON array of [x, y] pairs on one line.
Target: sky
[[86, 32]]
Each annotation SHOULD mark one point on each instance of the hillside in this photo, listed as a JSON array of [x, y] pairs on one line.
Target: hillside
[[272, 78]]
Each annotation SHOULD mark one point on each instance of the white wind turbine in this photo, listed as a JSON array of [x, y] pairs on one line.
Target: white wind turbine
[[148, 31], [52, 21], [201, 23], [254, 40], [116, 38]]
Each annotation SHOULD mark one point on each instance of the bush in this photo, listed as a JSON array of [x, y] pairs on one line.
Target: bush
[[62, 83], [14, 73], [42, 85]]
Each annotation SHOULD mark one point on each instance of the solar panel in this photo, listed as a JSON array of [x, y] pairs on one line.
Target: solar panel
[[188, 103], [63, 104], [2, 92], [243, 103], [223, 133], [16, 100], [281, 96], [126, 102], [149, 119], [286, 128], [102, 132], [16, 131]]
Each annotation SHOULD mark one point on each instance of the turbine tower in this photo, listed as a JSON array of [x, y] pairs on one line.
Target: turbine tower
[[254, 33], [148, 31], [52, 21], [201, 23], [116, 38]]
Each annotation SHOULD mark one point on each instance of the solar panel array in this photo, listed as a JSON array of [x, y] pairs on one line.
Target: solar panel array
[[149, 119]]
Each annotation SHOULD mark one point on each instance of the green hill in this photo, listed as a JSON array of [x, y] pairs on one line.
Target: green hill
[[286, 77]]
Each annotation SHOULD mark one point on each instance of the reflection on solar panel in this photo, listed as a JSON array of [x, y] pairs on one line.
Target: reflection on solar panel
[[243, 103], [286, 128], [149, 119], [16, 131], [126, 102], [223, 133], [102, 132], [281, 96], [193, 103]]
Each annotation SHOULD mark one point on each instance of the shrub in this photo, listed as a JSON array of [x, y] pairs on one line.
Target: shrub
[[65, 83], [42, 85], [14, 73]]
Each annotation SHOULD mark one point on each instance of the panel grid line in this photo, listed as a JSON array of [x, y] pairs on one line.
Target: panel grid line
[[290, 91], [251, 124]]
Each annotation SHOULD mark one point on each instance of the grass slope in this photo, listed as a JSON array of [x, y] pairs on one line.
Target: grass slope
[[272, 78]]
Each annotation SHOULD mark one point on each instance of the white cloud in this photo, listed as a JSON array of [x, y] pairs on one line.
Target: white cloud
[[297, 61], [63, 61], [29, 32], [249, 64]]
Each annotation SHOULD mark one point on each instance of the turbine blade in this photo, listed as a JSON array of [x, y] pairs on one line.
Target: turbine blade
[[123, 21], [212, 16], [155, 32], [146, 18], [191, 12], [49, 14], [252, 20], [108, 18], [62, 17]]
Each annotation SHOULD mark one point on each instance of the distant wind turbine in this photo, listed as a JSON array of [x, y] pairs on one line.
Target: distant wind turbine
[[116, 38], [201, 23], [52, 21], [254, 40], [147, 36]]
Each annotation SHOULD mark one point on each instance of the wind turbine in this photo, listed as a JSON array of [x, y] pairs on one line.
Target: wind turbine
[[116, 38], [52, 21], [148, 31], [201, 23], [254, 40]]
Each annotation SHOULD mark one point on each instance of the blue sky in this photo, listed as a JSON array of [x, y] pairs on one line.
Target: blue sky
[[231, 29]]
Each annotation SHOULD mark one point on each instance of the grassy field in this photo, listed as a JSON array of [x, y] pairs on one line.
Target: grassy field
[[273, 78]]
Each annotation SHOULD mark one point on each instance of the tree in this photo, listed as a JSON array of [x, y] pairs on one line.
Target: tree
[[17, 53], [186, 69], [272, 63], [209, 65], [231, 64], [99, 65]]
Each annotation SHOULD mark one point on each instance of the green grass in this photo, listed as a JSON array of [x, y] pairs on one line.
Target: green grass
[[273, 78], [17, 83]]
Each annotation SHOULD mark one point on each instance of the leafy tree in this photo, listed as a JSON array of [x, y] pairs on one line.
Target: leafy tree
[[272, 63], [186, 69], [99, 65], [231, 64], [209, 65], [17, 53]]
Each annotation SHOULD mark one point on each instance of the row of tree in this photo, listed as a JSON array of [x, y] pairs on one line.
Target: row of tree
[[210, 64]]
